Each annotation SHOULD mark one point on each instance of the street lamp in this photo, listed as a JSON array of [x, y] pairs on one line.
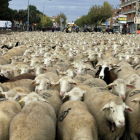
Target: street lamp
[[136, 15], [28, 17], [43, 12]]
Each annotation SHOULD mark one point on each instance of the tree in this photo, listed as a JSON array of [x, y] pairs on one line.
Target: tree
[[82, 21], [95, 14], [47, 21], [33, 15], [99, 13], [5, 12], [61, 15], [106, 11], [21, 15]]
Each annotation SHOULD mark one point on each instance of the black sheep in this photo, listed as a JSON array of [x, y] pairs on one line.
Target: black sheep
[[4, 79], [108, 75], [16, 44]]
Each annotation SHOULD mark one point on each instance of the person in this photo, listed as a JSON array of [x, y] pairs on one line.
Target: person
[[138, 31], [30, 28], [67, 29], [108, 29], [52, 29], [111, 30], [95, 29], [124, 30], [77, 29]]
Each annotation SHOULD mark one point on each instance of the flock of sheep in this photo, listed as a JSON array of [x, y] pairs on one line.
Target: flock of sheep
[[59, 86]]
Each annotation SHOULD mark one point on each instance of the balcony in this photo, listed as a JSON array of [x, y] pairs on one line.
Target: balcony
[[127, 11], [128, 3], [130, 19]]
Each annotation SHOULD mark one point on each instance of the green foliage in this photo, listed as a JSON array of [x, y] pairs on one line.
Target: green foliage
[[21, 15], [61, 15], [99, 13], [96, 15], [33, 15], [5, 12], [82, 21], [47, 21], [106, 11]]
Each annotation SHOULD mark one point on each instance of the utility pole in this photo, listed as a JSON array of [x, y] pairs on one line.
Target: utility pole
[[43, 13], [28, 17]]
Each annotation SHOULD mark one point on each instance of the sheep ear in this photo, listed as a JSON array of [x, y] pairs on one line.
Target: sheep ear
[[22, 94], [106, 107], [66, 95], [128, 109], [118, 70], [90, 69], [41, 99], [130, 86], [33, 83], [83, 91], [44, 69], [110, 85], [97, 66], [135, 100], [54, 84], [73, 82], [32, 68], [3, 93]]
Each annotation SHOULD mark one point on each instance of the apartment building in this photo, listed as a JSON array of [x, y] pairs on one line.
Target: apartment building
[[113, 20], [128, 7]]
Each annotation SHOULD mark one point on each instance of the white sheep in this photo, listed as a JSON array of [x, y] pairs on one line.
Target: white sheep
[[108, 110], [38, 116], [120, 88], [8, 110], [27, 83], [75, 122], [15, 93], [133, 124], [65, 84], [75, 94], [53, 98]]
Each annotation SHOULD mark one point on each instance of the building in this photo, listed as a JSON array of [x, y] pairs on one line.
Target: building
[[130, 8], [54, 22], [53, 18], [113, 20]]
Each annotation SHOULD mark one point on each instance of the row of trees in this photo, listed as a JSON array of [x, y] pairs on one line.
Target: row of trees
[[35, 16], [96, 15]]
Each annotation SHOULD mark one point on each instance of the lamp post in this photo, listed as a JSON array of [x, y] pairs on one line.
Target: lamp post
[[28, 17], [43, 13], [137, 8]]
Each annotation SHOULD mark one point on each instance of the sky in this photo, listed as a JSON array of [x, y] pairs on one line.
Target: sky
[[71, 8]]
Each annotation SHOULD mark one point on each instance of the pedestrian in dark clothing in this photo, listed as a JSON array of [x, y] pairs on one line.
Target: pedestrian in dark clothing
[[124, 30], [77, 29], [108, 30], [30, 28], [52, 29], [111, 30], [95, 29]]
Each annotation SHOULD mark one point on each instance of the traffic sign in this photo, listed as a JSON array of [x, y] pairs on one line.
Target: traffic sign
[[61, 19], [107, 23], [137, 20], [27, 22]]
